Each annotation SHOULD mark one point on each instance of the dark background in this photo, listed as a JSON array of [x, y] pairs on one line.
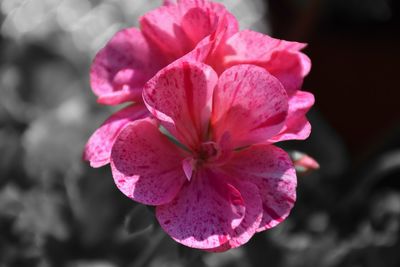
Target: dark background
[[57, 211]]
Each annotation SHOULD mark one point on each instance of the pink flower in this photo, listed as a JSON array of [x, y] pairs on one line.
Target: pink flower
[[206, 157], [190, 30]]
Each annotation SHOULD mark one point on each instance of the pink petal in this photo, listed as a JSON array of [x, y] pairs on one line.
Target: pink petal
[[271, 169], [98, 148], [121, 68], [180, 96], [252, 219], [163, 27], [146, 165], [176, 29], [281, 58], [204, 213], [297, 126], [249, 104]]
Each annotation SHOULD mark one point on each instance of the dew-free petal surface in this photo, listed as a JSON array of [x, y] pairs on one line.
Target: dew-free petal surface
[[281, 58], [121, 68], [98, 148], [146, 165], [204, 213], [272, 171], [249, 104], [177, 28], [253, 215], [181, 97], [296, 126]]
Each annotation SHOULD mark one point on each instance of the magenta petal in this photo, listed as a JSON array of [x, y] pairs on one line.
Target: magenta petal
[[253, 216], [281, 58], [98, 148], [250, 104], [290, 67], [121, 68], [163, 27], [146, 165], [204, 213], [180, 96], [271, 169], [297, 126], [176, 29]]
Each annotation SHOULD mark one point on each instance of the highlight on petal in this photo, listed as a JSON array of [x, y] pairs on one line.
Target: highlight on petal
[[204, 213], [121, 68], [297, 126], [250, 104], [146, 165], [253, 215], [98, 148], [272, 171], [177, 28], [281, 58], [181, 96]]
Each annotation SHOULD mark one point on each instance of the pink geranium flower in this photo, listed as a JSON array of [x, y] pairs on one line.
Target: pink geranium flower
[[190, 30], [205, 158]]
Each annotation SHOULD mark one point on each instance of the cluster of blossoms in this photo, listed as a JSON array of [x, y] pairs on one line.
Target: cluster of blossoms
[[209, 103]]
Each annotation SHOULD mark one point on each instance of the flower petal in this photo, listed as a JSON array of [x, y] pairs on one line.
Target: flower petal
[[281, 58], [98, 148], [180, 96], [121, 68], [297, 126], [252, 219], [271, 169], [146, 165], [250, 104], [204, 213], [176, 29]]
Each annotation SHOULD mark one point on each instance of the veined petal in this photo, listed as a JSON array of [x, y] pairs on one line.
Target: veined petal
[[297, 126], [204, 213], [121, 68], [281, 58], [163, 27], [181, 96], [146, 165], [98, 148], [177, 28], [272, 171], [252, 219], [249, 104]]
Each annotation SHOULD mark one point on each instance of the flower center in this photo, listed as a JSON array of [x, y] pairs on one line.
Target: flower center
[[209, 151]]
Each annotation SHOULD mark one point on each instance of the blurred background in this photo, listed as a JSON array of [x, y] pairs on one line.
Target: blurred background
[[57, 211]]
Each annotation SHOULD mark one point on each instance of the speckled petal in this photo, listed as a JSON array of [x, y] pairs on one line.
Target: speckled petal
[[297, 126], [180, 96], [272, 171], [204, 213], [146, 165], [121, 68], [249, 104], [281, 58], [177, 28], [252, 219], [98, 148]]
